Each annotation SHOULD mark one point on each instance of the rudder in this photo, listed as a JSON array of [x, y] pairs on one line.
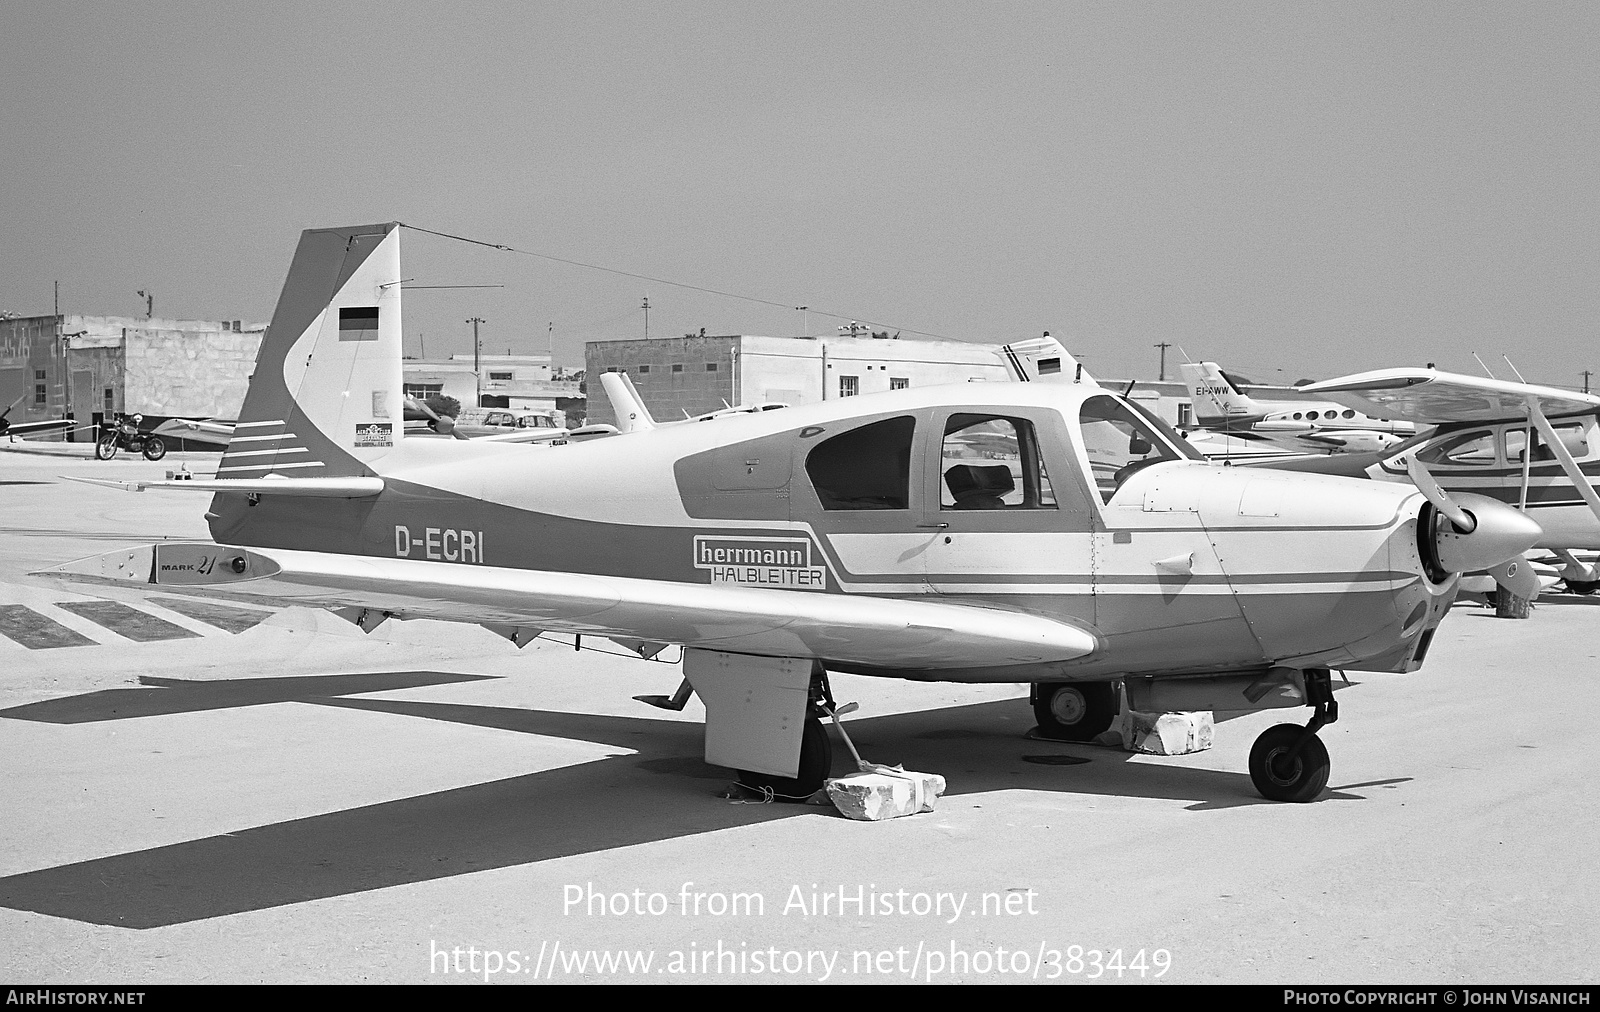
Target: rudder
[[326, 395]]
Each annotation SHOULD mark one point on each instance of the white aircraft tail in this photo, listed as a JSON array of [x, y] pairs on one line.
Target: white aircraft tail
[[632, 415], [326, 396], [1043, 360], [1214, 395]]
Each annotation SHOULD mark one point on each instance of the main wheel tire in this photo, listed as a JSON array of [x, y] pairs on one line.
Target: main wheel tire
[[1074, 711], [816, 762], [1280, 778], [106, 448], [1584, 587], [155, 448]]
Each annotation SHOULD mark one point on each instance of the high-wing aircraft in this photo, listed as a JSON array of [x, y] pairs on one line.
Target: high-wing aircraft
[[10, 428], [1328, 426], [1084, 546], [1534, 447]]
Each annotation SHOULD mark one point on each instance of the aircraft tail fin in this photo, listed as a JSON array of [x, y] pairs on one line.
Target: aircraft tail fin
[[1216, 399], [632, 415], [326, 398], [1043, 360]]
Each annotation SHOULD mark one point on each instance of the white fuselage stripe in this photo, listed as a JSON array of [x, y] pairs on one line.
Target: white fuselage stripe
[[266, 453], [268, 467]]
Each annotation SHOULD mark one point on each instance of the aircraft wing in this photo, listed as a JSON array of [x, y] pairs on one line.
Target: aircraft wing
[[872, 631], [354, 487], [205, 431], [1431, 397], [23, 428]]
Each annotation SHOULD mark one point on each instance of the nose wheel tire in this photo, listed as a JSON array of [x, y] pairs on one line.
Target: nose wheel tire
[[1585, 587], [106, 448], [1281, 773], [1074, 711], [816, 762]]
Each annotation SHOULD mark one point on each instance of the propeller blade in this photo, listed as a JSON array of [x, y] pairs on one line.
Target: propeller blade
[[1518, 577], [1442, 502]]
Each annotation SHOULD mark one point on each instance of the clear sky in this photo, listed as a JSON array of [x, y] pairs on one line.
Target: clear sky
[[1292, 189]]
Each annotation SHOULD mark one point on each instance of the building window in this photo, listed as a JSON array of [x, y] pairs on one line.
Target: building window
[[422, 390], [1185, 415], [38, 374], [501, 376], [898, 382], [644, 369], [39, 394], [677, 367], [711, 367], [849, 386], [111, 399]]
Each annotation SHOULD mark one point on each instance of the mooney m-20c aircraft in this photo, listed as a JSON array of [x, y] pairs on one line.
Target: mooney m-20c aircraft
[[1051, 533], [1533, 447]]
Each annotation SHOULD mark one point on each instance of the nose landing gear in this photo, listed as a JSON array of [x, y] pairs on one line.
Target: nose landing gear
[[1289, 762]]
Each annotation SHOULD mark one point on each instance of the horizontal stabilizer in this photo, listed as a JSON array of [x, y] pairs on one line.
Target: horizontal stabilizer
[[327, 488]]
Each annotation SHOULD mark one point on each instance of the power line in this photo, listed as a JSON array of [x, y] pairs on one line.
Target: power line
[[664, 281]]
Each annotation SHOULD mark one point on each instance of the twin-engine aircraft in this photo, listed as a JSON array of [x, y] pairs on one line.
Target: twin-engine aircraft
[[1534, 447], [1042, 532], [1224, 410]]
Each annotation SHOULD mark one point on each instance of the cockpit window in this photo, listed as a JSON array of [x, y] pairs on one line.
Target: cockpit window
[[992, 462], [864, 469], [1469, 449], [1118, 443], [1573, 435]]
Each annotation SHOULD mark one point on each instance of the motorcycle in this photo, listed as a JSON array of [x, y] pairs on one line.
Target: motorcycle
[[125, 435]]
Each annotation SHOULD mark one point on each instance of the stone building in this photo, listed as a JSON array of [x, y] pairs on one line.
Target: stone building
[[91, 368]]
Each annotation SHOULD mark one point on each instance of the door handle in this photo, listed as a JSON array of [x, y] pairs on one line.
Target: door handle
[[935, 526]]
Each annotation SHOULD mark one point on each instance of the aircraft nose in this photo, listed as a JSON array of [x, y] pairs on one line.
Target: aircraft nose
[[1501, 533]]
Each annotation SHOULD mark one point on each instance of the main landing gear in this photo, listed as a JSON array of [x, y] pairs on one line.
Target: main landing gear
[[1289, 762], [816, 751], [1074, 711]]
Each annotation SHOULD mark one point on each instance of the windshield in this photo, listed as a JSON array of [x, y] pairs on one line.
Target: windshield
[[1118, 442]]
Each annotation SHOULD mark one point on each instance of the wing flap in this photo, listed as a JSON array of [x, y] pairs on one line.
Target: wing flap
[[888, 632]]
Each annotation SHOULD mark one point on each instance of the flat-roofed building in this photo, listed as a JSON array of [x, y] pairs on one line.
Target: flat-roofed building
[[681, 377], [517, 382]]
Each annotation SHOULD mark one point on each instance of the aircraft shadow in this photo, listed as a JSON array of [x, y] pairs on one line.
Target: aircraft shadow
[[663, 791]]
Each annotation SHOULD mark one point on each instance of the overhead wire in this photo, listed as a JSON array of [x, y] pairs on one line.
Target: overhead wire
[[856, 318]]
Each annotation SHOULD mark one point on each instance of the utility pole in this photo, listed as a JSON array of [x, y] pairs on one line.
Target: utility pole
[[1164, 345], [149, 304], [477, 376], [1586, 374], [805, 320], [646, 307]]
